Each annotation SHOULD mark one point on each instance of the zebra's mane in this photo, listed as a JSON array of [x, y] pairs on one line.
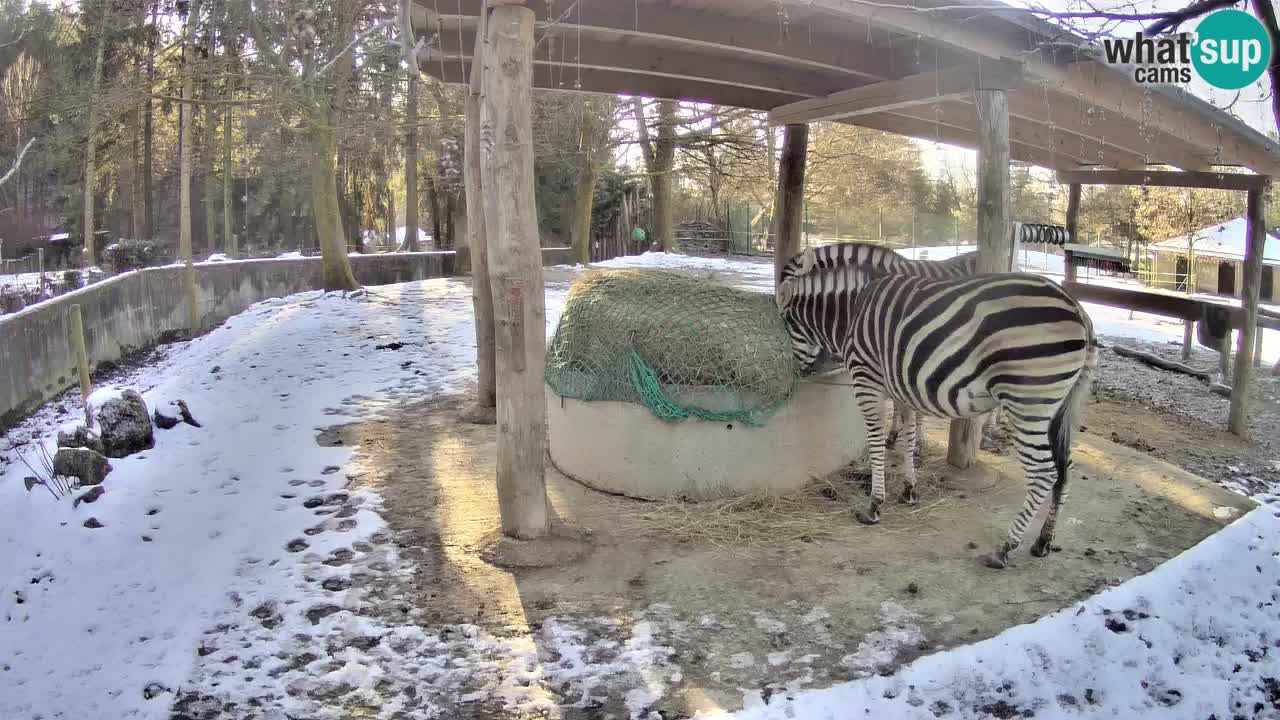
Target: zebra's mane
[[842, 255]]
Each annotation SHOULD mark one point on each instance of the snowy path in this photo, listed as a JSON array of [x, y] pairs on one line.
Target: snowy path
[[216, 527]]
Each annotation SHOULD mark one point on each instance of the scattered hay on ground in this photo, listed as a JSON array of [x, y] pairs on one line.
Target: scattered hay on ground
[[824, 507]]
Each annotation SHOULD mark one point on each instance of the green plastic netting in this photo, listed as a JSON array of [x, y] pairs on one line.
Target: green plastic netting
[[681, 346]]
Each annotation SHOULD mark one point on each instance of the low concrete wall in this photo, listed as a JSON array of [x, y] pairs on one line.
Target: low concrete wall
[[133, 311], [622, 448]]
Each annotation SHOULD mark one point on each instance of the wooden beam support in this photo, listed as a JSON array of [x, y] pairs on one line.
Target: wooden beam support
[[1073, 231], [789, 208], [1238, 420], [515, 264], [995, 245], [924, 88], [476, 253], [1166, 178]]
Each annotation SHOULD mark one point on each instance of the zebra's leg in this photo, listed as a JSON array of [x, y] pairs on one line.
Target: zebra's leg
[[872, 406], [892, 439], [1044, 544], [910, 421], [1031, 440]]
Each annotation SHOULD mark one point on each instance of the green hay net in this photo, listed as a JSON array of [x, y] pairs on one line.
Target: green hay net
[[681, 346]]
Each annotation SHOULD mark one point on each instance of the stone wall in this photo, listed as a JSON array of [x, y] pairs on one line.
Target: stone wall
[[134, 310]]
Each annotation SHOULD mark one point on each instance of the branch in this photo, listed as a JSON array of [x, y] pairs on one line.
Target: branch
[[1267, 13], [359, 38], [18, 162], [1196, 9]]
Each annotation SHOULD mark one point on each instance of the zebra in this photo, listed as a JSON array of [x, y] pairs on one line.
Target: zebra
[[954, 348], [884, 260]]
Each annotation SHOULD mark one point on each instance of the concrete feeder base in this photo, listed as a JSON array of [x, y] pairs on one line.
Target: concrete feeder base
[[622, 448]]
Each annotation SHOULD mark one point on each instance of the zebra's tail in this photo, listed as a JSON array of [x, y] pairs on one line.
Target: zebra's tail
[[1065, 422]]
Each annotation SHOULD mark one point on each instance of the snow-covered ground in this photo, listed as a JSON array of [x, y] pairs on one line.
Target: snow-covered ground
[[214, 530]]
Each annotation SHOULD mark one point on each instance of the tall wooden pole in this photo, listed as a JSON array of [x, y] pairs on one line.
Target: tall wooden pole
[[1238, 420], [1073, 227], [789, 203], [75, 331], [994, 241], [515, 266], [478, 252]]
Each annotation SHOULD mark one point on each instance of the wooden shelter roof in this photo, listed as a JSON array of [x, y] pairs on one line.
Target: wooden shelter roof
[[902, 66]]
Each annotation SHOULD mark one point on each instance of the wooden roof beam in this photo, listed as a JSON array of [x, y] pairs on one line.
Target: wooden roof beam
[[960, 137], [709, 32], [563, 52], [1072, 148], [602, 81], [924, 88], [1166, 178], [1104, 86], [1086, 121]]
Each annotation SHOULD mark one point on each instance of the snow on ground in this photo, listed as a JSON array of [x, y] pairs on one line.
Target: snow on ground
[[210, 574], [1198, 637]]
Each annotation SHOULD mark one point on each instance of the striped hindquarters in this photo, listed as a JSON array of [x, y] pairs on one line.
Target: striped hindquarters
[[955, 347]]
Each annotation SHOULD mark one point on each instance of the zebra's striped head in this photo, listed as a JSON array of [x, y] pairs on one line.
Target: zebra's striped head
[[807, 303]]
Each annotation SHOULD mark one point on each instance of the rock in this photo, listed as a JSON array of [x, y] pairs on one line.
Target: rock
[[125, 425], [83, 437], [89, 497], [89, 467], [162, 421], [92, 523]]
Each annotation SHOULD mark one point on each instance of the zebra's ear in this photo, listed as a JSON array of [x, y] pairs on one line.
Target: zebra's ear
[[785, 292]]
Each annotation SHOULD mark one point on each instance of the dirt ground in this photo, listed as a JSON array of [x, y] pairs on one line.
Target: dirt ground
[[753, 617]]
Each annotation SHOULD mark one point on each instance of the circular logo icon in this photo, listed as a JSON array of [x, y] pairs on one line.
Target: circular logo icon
[[1232, 49]]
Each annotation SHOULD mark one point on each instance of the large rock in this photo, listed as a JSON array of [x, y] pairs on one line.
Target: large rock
[[125, 425], [82, 437], [89, 467]]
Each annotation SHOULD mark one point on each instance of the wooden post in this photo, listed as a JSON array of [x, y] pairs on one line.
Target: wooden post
[[789, 202], [75, 329], [1073, 226], [40, 264], [1257, 348], [515, 266], [994, 241], [1187, 327], [193, 296], [478, 253], [1238, 420]]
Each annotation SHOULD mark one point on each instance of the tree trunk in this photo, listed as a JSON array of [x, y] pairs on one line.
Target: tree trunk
[[228, 224], [583, 200], [663, 173], [186, 114], [433, 202], [325, 208], [411, 163], [210, 143], [994, 248], [512, 220], [1238, 420], [91, 146], [477, 235], [148, 196]]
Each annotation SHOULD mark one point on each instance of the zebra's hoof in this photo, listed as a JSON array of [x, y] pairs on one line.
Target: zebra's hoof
[[1042, 549], [871, 517], [996, 560], [909, 496]]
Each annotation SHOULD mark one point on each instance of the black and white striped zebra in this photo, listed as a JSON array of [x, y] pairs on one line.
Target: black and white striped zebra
[[881, 259], [954, 348], [877, 258]]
